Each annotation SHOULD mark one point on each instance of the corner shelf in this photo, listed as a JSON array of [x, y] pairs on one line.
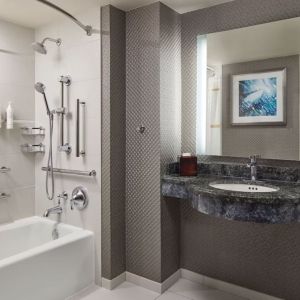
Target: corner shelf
[[33, 131], [30, 148]]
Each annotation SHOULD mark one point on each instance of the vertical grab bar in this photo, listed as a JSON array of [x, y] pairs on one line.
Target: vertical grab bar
[[80, 129]]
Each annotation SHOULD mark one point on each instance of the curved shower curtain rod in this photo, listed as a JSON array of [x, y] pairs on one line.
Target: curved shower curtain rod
[[87, 28]]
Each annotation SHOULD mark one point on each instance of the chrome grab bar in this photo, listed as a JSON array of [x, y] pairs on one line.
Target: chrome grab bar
[[4, 196], [80, 129], [92, 173]]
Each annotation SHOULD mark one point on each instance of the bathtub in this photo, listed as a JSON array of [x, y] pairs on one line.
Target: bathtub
[[34, 266]]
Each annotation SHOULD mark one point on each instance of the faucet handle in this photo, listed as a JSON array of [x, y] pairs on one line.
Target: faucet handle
[[254, 158], [63, 196]]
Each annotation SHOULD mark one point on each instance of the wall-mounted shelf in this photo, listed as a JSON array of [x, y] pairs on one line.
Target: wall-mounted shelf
[[29, 148], [33, 130], [4, 170]]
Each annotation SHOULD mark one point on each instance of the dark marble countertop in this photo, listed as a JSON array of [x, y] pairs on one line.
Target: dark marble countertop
[[282, 206]]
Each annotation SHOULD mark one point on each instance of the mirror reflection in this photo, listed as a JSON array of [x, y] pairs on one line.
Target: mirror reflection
[[248, 91]]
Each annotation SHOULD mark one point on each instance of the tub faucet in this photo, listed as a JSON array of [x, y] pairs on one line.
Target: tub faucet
[[53, 210], [253, 166]]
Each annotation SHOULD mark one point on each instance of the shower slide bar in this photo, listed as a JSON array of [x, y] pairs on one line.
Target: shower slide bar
[[92, 173]]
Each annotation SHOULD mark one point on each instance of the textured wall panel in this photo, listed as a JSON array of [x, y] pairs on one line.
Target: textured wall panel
[[244, 140], [259, 257], [170, 130], [143, 231], [231, 251], [113, 142]]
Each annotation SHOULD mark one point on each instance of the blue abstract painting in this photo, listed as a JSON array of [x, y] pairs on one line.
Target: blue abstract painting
[[258, 97]]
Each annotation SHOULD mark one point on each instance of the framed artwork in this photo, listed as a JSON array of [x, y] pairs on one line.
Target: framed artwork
[[259, 98]]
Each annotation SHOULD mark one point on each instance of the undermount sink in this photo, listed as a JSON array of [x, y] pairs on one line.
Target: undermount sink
[[246, 188]]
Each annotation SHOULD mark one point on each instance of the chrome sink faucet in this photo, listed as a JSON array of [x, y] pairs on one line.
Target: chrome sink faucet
[[253, 166]]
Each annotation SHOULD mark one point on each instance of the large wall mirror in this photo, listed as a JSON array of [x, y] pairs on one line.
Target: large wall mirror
[[248, 91]]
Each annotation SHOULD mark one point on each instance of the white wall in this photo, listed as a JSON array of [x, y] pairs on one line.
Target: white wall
[[79, 57], [16, 85]]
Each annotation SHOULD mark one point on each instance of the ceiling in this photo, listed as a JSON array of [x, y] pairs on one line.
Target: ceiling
[[30, 13], [180, 6]]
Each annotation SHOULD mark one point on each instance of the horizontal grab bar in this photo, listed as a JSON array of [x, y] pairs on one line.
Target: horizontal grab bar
[[92, 173]]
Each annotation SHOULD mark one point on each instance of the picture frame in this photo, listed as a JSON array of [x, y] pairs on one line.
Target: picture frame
[[259, 98]]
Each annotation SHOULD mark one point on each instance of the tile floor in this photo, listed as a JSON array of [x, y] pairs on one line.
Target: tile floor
[[182, 290]]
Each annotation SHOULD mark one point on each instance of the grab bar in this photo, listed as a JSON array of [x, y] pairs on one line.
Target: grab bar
[[4, 196], [92, 173], [80, 129]]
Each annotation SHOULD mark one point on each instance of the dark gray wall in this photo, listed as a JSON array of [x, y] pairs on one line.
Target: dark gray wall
[[245, 140], [258, 257], [113, 142]]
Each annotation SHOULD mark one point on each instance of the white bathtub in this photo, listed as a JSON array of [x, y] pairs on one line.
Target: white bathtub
[[33, 266]]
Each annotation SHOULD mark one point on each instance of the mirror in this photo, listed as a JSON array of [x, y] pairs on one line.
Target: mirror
[[248, 91]]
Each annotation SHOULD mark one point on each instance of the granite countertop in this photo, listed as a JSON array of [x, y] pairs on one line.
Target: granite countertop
[[282, 206]]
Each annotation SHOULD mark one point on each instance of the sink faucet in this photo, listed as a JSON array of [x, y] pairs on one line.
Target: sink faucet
[[253, 166], [56, 209]]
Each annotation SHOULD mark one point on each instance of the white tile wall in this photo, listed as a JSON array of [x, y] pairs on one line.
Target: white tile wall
[[79, 57], [16, 85]]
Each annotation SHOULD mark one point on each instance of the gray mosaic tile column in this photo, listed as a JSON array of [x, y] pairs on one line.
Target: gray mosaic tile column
[[113, 142]]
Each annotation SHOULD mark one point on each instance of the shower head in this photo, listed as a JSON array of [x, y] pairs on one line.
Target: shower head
[[40, 88], [40, 47]]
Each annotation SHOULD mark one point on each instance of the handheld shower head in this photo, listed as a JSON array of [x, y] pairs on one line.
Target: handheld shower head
[[40, 47], [40, 88]]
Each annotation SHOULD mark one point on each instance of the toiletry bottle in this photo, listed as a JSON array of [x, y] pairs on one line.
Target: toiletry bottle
[[9, 116]]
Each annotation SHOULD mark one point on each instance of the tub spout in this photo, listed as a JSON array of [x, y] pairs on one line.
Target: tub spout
[[54, 210]]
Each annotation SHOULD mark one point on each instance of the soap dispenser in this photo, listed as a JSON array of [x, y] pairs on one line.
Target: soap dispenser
[[9, 116]]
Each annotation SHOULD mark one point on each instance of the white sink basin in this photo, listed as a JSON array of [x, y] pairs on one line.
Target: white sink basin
[[246, 188]]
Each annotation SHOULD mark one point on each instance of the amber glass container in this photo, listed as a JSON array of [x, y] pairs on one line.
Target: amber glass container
[[188, 166]]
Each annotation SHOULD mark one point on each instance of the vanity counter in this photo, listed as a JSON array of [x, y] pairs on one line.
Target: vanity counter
[[282, 206]]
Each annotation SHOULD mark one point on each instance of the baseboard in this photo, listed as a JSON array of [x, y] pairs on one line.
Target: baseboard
[[153, 285], [225, 286], [192, 276], [113, 283]]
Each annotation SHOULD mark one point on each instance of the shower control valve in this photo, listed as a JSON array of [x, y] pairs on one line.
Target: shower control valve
[[79, 198]]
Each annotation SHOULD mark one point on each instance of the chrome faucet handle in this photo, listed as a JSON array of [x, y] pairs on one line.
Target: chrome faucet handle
[[253, 158], [63, 196]]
